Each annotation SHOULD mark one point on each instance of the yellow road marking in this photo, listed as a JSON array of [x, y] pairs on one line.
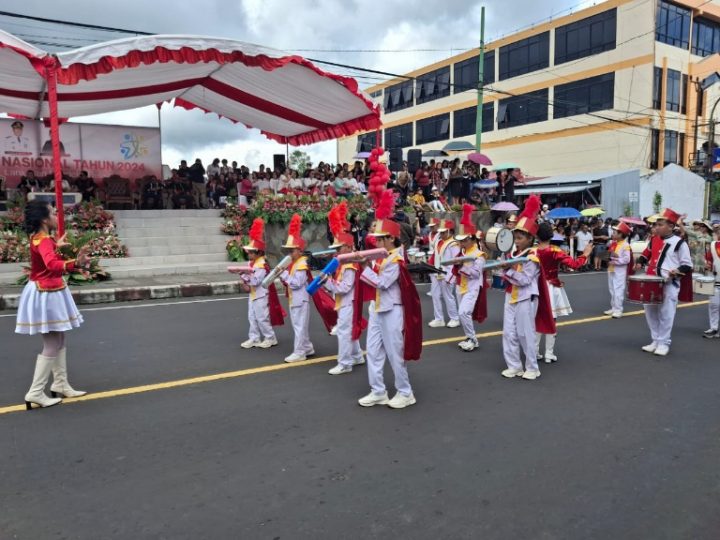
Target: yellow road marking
[[278, 367]]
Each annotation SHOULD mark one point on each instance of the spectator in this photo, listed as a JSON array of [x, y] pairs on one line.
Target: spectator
[[699, 239], [86, 186], [601, 235], [29, 183], [583, 237], [214, 169], [418, 200], [152, 195], [422, 180], [339, 185], [196, 174], [436, 177], [183, 170], [224, 169], [455, 182], [65, 185], [246, 188]]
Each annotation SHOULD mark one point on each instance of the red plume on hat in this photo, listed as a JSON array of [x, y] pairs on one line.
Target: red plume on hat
[[337, 221], [527, 220], [467, 228], [256, 234], [295, 233]]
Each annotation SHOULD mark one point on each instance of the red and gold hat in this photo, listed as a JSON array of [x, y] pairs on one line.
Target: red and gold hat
[[338, 223], [384, 226], [435, 222], [527, 220], [295, 240], [623, 228], [446, 225], [669, 215], [467, 228], [256, 234]]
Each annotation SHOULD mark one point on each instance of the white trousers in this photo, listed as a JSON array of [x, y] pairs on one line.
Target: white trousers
[[442, 291], [466, 303], [348, 350], [385, 340], [519, 334], [714, 309], [616, 286], [660, 317], [259, 317], [300, 317]]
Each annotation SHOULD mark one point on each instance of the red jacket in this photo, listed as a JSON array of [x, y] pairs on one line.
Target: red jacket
[[46, 265], [551, 258]]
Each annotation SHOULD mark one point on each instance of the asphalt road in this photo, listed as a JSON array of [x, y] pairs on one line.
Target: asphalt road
[[610, 443]]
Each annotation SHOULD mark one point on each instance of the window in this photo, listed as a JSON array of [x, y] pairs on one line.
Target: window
[[675, 91], [705, 37], [588, 95], [435, 128], [589, 36], [524, 56], [674, 148], [672, 91], [654, 145], [464, 120], [657, 88], [673, 25], [525, 109], [376, 93], [467, 71], [399, 136], [433, 85], [398, 96], [366, 142]]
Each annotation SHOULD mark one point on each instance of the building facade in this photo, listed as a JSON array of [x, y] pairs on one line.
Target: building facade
[[614, 86]]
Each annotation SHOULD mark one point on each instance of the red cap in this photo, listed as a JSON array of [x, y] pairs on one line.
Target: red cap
[[670, 215], [386, 227], [434, 222], [527, 221], [447, 225], [343, 239], [624, 228]]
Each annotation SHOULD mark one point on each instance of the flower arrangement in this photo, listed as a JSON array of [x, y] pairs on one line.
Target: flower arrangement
[[236, 219], [13, 220], [89, 216], [14, 247], [234, 249]]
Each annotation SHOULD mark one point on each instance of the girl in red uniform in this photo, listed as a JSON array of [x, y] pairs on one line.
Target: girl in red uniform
[[551, 257], [46, 305]]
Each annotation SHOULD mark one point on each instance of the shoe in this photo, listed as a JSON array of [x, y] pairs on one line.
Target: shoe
[[608, 312], [267, 343], [295, 358], [249, 344], [359, 361], [400, 401], [662, 350], [469, 345], [650, 348], [436, 324], [550, 358], [333, 332], [373, 399], [531, 375], [429, 293], [60, 386], [340, 370], [311, 352], [710, 333], [36, 394], [617, 315], [454, 323], [463, 343], [510, 373]]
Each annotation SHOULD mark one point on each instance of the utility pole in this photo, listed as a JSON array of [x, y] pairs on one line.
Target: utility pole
[[709, 160], [481, 77]]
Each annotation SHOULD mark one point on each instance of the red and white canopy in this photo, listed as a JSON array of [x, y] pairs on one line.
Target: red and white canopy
[[285, 96]]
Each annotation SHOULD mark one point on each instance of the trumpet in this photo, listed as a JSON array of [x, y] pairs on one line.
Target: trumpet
[[241, 269], [457, 260], [323, 253], [494, 264], [330, 268], [275, 272], [359, 256]]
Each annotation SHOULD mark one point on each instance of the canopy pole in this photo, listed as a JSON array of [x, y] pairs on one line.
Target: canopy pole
[[51, 76], [481, 82]]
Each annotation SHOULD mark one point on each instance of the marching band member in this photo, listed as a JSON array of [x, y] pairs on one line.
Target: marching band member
[[667, 256], [343, 285], [442, 285], [46, 305], [551, 257], [395, 325], [434, 238], [527, 302], [712, 262], [470, 281], [264, 309], [618, 266]]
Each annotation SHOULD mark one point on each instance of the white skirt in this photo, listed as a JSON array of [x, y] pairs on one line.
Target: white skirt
[[42, 312], [559, 301]]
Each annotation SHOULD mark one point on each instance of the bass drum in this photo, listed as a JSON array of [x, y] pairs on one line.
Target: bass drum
[[499, 239]]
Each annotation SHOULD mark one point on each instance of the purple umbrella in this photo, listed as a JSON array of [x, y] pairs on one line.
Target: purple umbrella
[[362, 155], [505, 207], [480, 159]]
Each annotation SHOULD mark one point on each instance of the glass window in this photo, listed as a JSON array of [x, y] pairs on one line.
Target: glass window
[[673, 24], [435, 128], [654, 146], [589, 36], [673, 93], [399, 136], [433, 85], [657, 87], [705, 37], [466, 72], [674, 147], [399, 96], [366, 141], [588, 95], [524, 109], [376, 93], [524, 56], [676, 90], [464, 120]]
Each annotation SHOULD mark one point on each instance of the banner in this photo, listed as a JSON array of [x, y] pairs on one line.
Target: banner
[[101, 150]]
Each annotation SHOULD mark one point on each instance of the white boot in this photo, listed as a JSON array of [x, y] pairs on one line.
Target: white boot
[[538, 337], [36, 394], [550, 348], [60, 383]]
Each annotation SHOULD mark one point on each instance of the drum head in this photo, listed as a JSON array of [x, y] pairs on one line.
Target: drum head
[[505, 240]]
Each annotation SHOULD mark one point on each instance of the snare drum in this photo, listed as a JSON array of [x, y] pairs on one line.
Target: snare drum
[[497, 281], [499, 239], [704, 285], [644, 289]]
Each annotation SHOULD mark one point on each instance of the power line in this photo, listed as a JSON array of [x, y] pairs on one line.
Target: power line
[[73, 23]]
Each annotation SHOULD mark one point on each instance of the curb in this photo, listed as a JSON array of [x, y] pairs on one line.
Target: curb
[[131, 294]]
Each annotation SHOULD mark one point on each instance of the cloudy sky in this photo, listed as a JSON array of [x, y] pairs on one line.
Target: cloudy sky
[[394, 36]]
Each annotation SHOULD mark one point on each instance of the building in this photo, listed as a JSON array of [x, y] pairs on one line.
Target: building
[[614, 86]]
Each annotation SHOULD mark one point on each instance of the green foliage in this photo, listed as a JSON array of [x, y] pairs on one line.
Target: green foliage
[[715, 196], [234, 249], [627, 209], [657, 202], [299, 161]]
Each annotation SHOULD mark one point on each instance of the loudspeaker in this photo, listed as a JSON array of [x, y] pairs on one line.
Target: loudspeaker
[[414, 160], [396, 160], [279, 162]]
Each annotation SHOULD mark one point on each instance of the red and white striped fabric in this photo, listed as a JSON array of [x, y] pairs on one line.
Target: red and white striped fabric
[[285, 96]]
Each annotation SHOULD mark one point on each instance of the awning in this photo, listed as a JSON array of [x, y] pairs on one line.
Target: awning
[[547, 190]]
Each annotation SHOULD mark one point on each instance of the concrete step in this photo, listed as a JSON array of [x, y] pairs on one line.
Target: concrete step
[[164, 259], [211, 241], [170, 269], [178, 249], [138, 232], [123, 214]]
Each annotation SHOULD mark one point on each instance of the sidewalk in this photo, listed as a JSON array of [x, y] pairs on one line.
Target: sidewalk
[[140, 288]]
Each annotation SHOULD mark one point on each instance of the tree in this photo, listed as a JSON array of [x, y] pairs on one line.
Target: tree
[[657, 202], [299, 161]]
